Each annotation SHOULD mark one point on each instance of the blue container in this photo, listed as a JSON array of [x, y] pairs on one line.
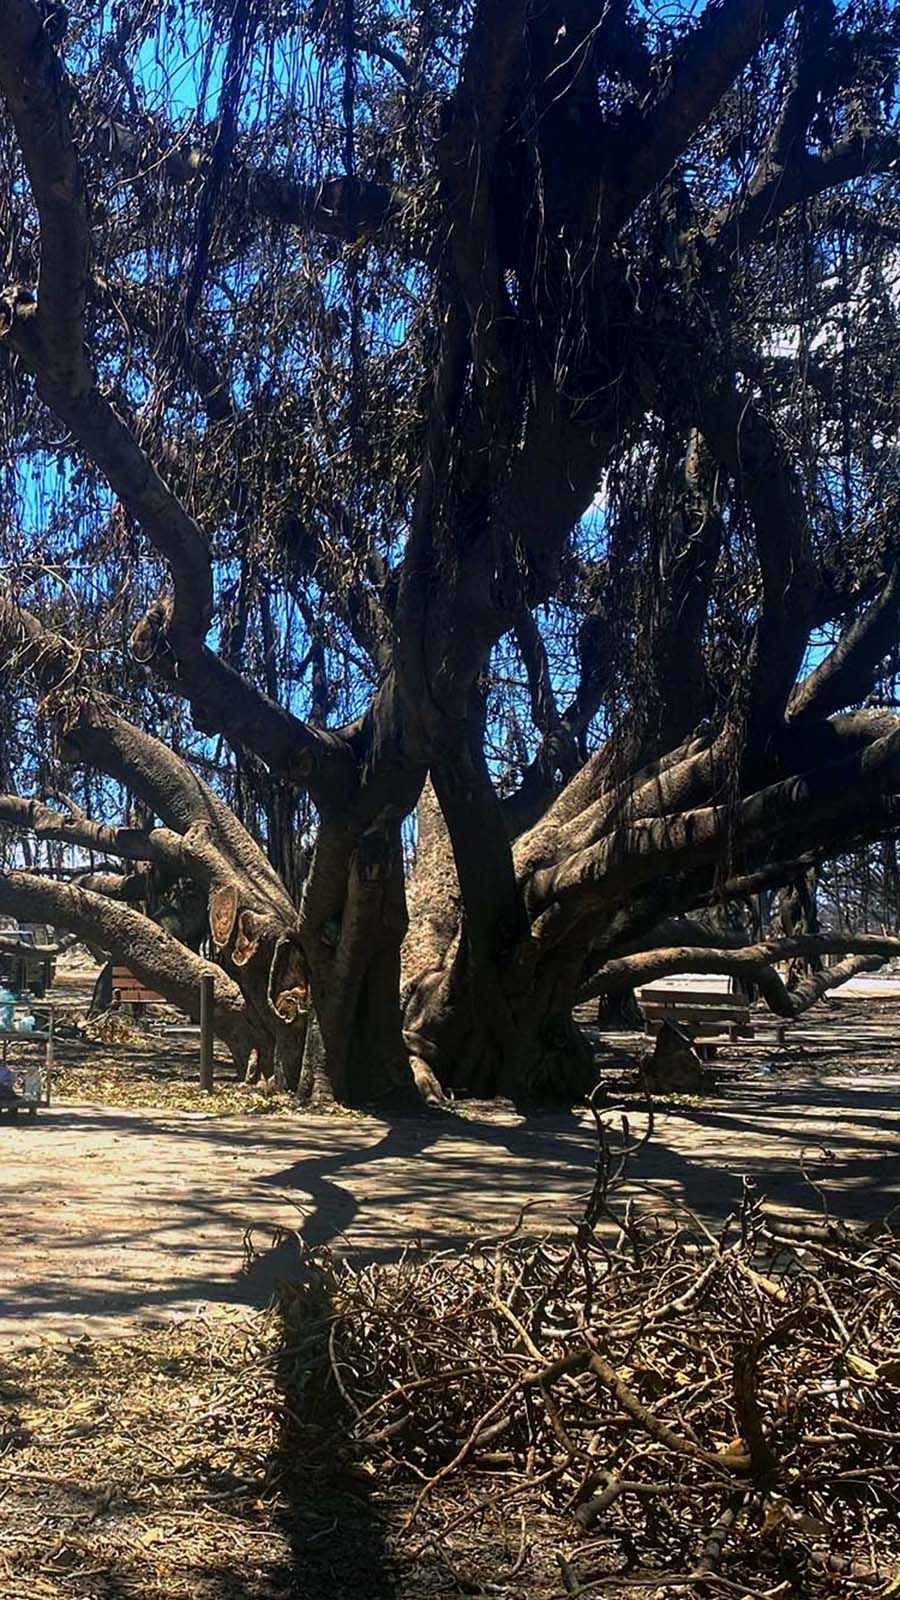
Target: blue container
[[7, 1008]]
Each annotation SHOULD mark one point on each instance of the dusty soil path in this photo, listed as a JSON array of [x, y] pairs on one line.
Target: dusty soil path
[[114, 1216]]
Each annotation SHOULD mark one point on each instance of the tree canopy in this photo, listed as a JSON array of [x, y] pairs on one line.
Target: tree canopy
[[484, 412]]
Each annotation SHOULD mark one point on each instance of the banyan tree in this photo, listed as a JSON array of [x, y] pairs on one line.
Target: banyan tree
[[449, 508]]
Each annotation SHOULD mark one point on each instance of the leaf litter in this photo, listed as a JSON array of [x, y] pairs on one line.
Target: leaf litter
[[634, 1404]]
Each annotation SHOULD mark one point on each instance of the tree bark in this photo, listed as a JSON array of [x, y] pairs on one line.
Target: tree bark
[[595, 883], [153, 956]]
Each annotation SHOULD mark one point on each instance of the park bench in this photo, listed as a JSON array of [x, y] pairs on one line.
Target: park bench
[[130, 991], [706, 1014]]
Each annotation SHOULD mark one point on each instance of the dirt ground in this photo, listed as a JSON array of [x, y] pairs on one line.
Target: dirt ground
[[156, 1433], [116, 1215]]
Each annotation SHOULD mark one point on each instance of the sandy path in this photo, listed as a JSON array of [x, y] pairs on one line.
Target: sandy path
[[110, 1216]]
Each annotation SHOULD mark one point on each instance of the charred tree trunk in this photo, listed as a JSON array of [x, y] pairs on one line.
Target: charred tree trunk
[[353, 920], [606, 862], [477, 1006]]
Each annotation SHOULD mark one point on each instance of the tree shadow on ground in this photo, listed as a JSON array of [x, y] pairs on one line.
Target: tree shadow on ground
[[488, 1159], [328, 1509], [250, 1496], [373, 1187]]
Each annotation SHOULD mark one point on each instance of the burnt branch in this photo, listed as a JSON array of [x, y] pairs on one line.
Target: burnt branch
[[753, 964], [34, 87], [159, 960], [849, 670], [805, 178], [701, 69]]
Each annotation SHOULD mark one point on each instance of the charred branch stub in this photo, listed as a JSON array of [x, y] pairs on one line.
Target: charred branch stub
[[501, 427]]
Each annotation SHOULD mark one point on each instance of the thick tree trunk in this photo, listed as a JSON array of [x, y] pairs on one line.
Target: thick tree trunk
[[353, 920], [486, 1021], [620, 1011], [608, 860]]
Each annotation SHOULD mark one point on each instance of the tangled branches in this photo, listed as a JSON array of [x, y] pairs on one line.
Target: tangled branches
[[692, 1412]]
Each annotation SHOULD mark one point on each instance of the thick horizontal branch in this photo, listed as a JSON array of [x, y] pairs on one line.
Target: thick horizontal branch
[[11, 946], [338, 208], [192, 854], [853, 794], [680, 932], [792, 1002], [754, 963], [703, 67], [131, 886], [158, 960], [144, 764], [33, 816]]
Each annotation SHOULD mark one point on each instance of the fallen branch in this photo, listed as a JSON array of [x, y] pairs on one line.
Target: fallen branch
[[11, 946], [681, 1407]]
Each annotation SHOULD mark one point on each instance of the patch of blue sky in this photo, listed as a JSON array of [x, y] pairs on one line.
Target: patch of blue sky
[[292, 642], [179, 67], [821, 642], [42, 483], [593, 532]]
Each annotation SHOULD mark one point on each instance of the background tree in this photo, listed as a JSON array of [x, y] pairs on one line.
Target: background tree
[[495, 395]]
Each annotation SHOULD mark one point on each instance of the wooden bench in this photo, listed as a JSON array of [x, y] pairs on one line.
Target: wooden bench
[[130, 991], [704, 1013]]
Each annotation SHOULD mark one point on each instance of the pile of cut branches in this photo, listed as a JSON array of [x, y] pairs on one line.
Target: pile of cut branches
[[685, 1412]]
